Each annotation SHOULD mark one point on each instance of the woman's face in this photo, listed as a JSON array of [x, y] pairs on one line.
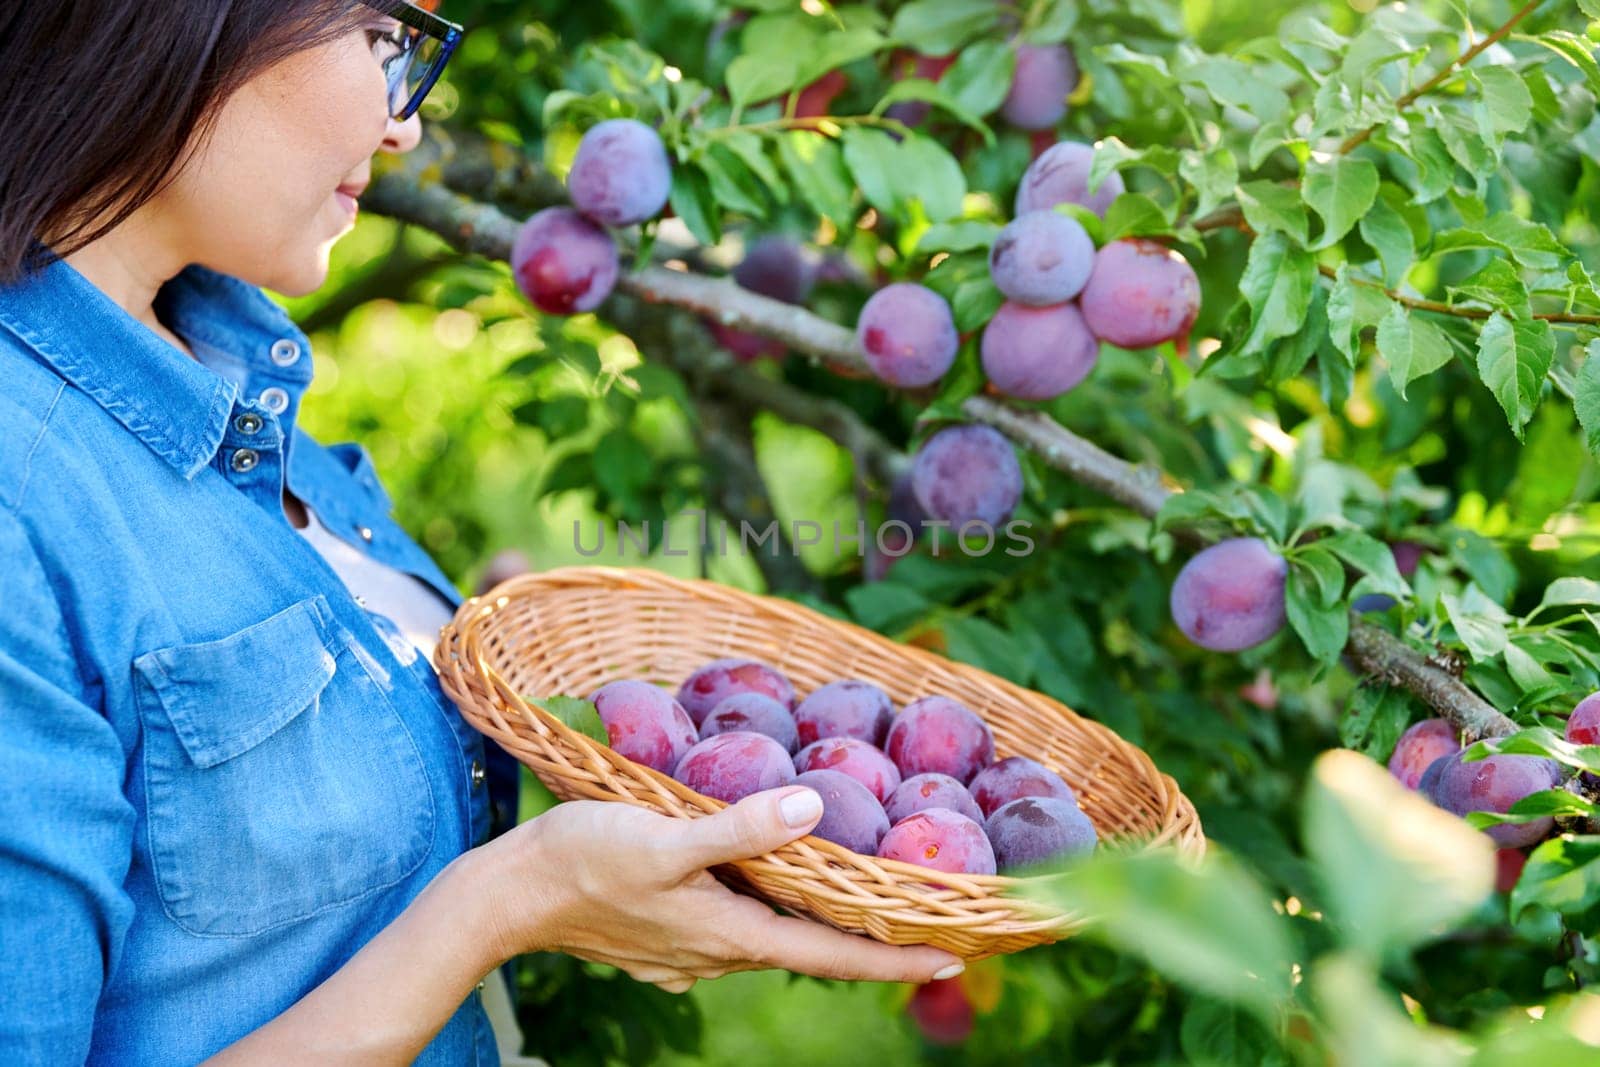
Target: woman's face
[[270, 191]]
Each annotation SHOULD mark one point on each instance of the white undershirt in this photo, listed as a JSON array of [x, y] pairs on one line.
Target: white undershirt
[[418, 611], [413, 606]]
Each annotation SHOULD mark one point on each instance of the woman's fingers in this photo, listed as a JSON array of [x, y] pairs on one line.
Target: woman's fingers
[[759, 823], [814, 949], [680, 985]]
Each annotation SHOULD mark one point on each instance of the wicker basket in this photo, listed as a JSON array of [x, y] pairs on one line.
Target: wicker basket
[[570, 630]]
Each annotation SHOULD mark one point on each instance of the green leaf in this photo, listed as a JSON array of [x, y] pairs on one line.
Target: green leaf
[[986, 646], [926, 91], [1270, 207], [939, 27], [1513, 359], [1371, 557], [1562, 874], [962, 236], [1232, 82], [1135, 215], [1386, 231], [974, 303], [872, 157], [1213, 172], [1210, 925], [1538, 741], [751, 151], [1325, 571], [1529, 243], [575, 714], [1277, 282], [559, 417], [1436, 169], [1152, 67], [732, 184], [1396, 870], [1564, 591], [754, 78], [1375, 719], [1467, 145], [962, 381], [1497, 286], [1340, 190], [1411, 346], [1365, 1024], [816, 166], [1479, 622], [1374, 46], [980, 78], [1216, 1033], [1533, 807], [837, 48], [1185, 509], [886, 606], [622, 466], [1586, 398], [1353, 307], [692, 202], [926, 171], [1575, 50], [1323, 628], [1505, 98]]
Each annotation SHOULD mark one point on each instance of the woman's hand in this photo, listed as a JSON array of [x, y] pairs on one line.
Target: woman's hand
[[623, 885]]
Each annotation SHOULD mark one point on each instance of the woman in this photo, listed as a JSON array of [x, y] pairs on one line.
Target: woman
[[237, 817]]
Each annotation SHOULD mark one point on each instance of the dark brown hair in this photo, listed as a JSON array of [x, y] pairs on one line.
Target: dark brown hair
[[102, 101]]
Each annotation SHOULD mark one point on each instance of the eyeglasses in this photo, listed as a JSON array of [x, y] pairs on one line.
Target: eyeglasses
[[415, 54]]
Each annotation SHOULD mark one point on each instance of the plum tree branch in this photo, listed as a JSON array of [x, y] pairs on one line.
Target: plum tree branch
[[475, 227], [1359, 138], [1438, 307]]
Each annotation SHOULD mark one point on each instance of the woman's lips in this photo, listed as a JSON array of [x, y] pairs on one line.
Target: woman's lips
[[346, 196]]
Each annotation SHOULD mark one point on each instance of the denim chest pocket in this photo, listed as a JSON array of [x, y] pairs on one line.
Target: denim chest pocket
[[280, 780]]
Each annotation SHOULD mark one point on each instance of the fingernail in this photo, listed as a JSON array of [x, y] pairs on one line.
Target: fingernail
[[951, 971], [800, 808]]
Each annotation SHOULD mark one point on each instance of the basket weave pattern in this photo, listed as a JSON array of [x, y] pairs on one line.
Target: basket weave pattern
[[570, 630]]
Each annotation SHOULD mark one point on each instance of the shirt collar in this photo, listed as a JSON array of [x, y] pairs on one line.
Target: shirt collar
[[176, 406]]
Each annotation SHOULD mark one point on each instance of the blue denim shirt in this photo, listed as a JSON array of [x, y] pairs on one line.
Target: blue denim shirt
[[218, 779]]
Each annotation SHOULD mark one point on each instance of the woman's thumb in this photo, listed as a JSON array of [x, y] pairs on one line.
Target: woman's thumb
[[759, 823]]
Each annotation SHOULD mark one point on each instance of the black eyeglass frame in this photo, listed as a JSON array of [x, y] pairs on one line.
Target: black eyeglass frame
[[426, 24]]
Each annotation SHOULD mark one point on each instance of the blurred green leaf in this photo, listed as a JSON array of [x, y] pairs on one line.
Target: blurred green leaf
[[939, 27], [1396, 870], [1210, 925]]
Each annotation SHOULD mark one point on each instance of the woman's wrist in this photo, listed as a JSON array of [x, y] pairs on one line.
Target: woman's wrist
[[506, 885]]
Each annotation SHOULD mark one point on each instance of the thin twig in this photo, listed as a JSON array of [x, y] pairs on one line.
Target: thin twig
[[1440, 308]]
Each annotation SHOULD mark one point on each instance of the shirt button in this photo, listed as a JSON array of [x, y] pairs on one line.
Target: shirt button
[[248, 423], [245, 459], [366, 534], [275, 400], [285, 352], [477, 773]]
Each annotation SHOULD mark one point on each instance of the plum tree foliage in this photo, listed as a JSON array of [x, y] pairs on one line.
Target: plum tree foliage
[[1256, 314]]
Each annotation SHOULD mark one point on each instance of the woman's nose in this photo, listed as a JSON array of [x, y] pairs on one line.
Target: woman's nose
[[402, 136]]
